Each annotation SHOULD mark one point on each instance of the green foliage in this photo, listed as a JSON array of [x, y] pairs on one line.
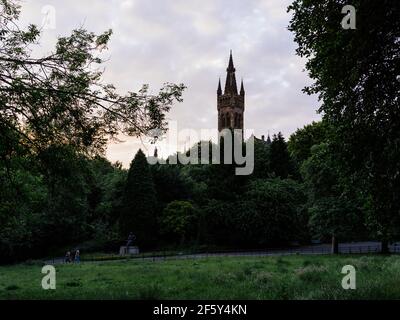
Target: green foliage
[[66, 176], [139, 203], [22, 201], [53, 199], [60, 98], [178, 220], [280, 162], [334, 208], [272, 211], [56, 116], [170, 183], [262, 154], [217, 223], [107, 188], [321, 173], [303, 139], [355, 75]]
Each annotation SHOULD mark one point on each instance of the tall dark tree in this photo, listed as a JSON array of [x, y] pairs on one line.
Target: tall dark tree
[[334, 208], [280, 163], [139, 203], [356, 75], [107, 183], [261, 160]]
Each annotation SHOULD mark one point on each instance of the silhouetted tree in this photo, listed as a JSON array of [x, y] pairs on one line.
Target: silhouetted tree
[[139, 202], [271, 211], [334, 209], [356, 75], [60, 98], [280, 163], [303, 139]]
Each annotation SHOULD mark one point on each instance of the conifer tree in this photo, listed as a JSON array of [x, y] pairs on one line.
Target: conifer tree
[[280, 158], [139, 202]]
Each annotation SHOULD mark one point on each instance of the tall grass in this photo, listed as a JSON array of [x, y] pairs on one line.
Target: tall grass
[[288, 277]]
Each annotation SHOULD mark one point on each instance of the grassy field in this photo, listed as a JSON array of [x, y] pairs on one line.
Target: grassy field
[[288, 277]]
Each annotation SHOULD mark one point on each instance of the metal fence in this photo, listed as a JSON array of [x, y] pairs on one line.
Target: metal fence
[[371, 248], [326, 249]]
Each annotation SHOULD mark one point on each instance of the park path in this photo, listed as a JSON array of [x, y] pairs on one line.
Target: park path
[[344, 248]]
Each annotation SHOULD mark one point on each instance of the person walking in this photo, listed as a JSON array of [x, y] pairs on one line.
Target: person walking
[[77, 257], [67, 257]]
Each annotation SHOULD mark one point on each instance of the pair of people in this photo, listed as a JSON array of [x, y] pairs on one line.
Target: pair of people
[[69, 258]]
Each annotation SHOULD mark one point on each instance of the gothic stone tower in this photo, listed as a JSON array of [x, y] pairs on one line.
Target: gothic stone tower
[[230, 104]]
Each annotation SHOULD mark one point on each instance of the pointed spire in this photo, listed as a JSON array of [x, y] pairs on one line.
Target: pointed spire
[[242, 88], [269, 139], [230, 65], [219, 91], [230, 83]]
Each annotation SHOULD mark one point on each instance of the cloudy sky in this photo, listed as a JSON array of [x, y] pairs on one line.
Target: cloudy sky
[[188, 41]]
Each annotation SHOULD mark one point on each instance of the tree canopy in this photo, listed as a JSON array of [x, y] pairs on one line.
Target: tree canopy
[[356, 76], [139, 202], [60, 98]]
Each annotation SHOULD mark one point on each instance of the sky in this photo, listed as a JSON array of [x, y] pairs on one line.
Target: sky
[[188, 41]]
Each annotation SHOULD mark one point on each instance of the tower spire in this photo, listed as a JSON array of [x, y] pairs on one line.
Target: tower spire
[[230, 64], [219, 91], [242, 88], [230, 83], [230, 104]]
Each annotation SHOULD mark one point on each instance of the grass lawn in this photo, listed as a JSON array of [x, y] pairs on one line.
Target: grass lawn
[[287, 277]]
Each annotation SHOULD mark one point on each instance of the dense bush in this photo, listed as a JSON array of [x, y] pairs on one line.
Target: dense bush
[[272, 212]]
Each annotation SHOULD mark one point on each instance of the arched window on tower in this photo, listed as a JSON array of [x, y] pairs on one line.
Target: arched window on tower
[[227, 121]]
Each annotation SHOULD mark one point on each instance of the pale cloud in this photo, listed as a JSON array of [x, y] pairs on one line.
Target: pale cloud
[[189, 41]]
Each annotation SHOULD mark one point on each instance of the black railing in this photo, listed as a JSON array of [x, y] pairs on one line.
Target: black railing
[[193, 254]]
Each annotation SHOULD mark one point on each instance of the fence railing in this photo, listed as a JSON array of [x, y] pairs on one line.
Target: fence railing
[[343, 249], [194, 254]]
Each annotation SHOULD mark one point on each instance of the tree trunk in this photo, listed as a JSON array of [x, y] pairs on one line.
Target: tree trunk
[[335, 245], [385, 247]]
